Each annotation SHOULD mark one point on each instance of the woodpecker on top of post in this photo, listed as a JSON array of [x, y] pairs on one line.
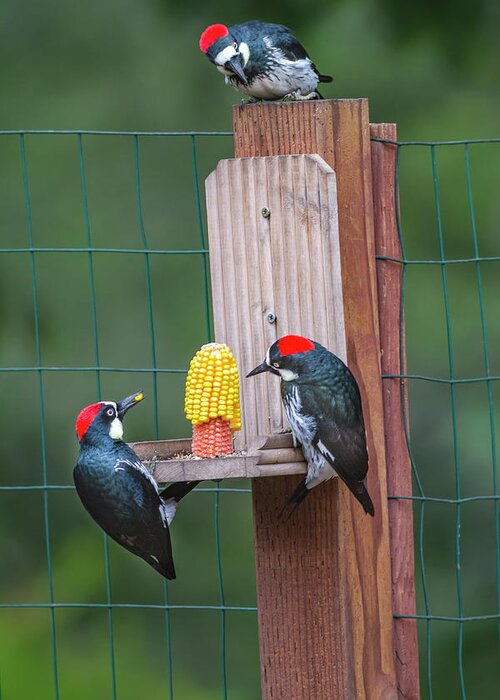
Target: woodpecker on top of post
[[118, 491], [323, 406], [262, 60]]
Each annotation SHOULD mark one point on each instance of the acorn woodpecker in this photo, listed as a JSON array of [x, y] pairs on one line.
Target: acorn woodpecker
[[118, 491], [323, 405], [265, 61]]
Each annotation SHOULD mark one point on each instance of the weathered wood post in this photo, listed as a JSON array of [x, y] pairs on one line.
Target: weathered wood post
[[387, 245], [324, 578], [293, 239]]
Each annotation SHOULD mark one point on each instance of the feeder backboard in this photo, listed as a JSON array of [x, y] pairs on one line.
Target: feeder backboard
[[275, 268]]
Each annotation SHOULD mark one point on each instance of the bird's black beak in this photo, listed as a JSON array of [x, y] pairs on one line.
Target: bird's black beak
[[236, 67], [128, 402], [263, 367]]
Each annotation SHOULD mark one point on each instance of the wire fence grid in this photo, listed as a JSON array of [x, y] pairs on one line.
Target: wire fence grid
[[429, 613], [487, 378]]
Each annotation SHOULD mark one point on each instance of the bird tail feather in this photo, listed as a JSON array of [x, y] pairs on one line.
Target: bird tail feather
[[359, 490], [294, 500], [178, 490], [163, 561], [166, 567]]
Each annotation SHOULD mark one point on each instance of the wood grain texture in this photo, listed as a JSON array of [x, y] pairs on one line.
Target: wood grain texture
[[231, 467], [398, 462], [171, 460], [323, 578], [287, 265]]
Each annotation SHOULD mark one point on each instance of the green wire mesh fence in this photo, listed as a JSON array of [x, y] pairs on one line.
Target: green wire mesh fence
[[119, 294], [153, 368], [466, 345]]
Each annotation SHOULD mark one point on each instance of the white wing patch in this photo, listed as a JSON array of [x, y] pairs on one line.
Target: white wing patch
[[140, 468], [325, 451]]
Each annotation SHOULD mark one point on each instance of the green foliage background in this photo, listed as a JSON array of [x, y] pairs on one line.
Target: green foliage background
[[432, 68]]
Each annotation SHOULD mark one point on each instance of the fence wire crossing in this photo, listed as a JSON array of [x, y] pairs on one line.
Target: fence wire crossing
[[428, 615]]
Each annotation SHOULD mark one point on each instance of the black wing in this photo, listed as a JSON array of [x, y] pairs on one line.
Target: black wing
[[290, 45], [280, 36], [129, 511], [340, 431]]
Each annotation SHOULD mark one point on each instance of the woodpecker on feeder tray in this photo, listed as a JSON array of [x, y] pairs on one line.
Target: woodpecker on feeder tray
[[323, 406], [118, 491], [265, 61]]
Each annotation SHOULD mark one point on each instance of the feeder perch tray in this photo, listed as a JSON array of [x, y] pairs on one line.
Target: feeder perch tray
[[171, 460]]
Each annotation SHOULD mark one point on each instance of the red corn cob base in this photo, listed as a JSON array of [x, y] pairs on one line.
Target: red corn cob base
[[212, 439]]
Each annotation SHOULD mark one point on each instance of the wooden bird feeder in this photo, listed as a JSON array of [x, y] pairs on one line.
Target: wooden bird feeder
[[294, 223]]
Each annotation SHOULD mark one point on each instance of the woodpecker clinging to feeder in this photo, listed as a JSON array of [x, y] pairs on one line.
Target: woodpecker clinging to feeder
[[323, 406], [265, 61], [212, 401], [117, 489]]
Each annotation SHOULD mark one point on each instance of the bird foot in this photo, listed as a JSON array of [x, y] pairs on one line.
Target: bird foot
[[283, 431], [297, 96]]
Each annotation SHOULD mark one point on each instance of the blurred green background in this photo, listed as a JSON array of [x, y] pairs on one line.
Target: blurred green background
[[432, 68]]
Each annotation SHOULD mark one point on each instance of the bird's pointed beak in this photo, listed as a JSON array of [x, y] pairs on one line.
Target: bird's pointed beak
[[263, 367], [128, 402], [236, 67]]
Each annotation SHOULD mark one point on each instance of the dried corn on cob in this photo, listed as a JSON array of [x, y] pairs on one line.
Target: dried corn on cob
[[212, 401]]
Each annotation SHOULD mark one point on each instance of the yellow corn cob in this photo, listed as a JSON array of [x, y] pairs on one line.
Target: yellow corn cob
[[212, 401]]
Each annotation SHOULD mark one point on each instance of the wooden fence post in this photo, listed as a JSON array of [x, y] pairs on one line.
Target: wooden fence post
[[324, 578], [393, 363]]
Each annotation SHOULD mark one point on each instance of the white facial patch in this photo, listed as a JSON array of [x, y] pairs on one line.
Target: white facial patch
[[225, 55], [116, 429], [287, 375], [245, 52]]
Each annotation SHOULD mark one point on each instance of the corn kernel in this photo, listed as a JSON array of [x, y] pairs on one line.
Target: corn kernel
[[212, 388]]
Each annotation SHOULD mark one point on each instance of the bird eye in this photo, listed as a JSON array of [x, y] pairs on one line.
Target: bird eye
[[276, 364], [235, 45], [110, 412]]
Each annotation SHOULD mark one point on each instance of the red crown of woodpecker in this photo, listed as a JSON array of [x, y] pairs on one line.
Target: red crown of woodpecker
[[211, 34], [86, 417], [292, 344]]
